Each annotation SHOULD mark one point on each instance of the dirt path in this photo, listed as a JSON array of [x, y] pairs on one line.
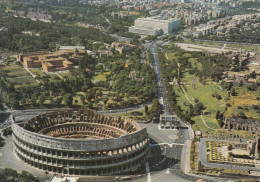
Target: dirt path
[[201, 116]]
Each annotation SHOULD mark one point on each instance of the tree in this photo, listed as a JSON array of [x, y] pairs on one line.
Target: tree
[[105, 100], [90, 105], [146, 109], [242, 115], [10, 173], [217, 115], [67, 99], [154, 112], [88, 96], [198, 108], [14, 103], [41, 99], [25, 176], [233, 92], [56, 102], [3, 178]]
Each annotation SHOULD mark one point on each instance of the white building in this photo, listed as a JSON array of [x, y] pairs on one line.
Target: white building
[[155, 26], [72, 47]]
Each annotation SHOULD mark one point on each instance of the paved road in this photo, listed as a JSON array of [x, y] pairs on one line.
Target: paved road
[[123, 39], [173, 152], [160, 85], [173, 140]]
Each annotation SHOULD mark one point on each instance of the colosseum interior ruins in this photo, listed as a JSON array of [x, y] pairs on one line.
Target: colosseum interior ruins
[[81, 142]]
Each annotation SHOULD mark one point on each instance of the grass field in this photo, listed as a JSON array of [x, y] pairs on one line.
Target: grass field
[[100, 77], [246, 47], [38, 71], [245, 99], [18, 75], [130, 12], [207, 44], [138, 114], [204, 93]]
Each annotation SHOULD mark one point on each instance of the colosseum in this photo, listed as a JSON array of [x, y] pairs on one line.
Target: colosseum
[[81, 142]]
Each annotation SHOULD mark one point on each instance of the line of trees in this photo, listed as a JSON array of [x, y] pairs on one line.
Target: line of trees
[[50, 34], [175, 68], [11, 175]]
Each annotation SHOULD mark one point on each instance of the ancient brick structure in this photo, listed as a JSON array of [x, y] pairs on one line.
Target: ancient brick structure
[[254, 148], [241, 124], [81, 142]]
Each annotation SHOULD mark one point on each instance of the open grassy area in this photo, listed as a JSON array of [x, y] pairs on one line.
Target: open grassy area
[[138, 114], [18, 75], [130, 12], [195, 63], [228, 46], [206, 94], [63, 75], [212, 107], [100, 77], [38, 71], [242, 102], [207, 44], [199, 125], [246, 47], [171, 56]]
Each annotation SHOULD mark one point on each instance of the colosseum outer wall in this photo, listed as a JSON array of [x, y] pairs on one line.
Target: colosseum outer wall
[[66, 144], [81, 156]]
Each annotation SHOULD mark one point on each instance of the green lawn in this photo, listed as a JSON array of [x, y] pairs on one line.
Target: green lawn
[[15, 70], [18, 75], [135, 115], [195, 63], [170, 56], [38, 71], [245, 99], [100, 77], [204, 94]]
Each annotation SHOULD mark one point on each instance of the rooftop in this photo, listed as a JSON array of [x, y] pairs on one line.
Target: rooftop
[[60, 178]]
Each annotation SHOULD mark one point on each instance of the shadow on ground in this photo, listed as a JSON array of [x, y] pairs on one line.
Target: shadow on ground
[[157, 160], [3, 117]]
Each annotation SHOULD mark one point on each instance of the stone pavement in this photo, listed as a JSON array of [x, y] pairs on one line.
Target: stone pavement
[[10, 160]]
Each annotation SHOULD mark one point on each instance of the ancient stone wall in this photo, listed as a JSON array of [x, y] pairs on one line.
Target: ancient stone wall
[[79, 156]]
